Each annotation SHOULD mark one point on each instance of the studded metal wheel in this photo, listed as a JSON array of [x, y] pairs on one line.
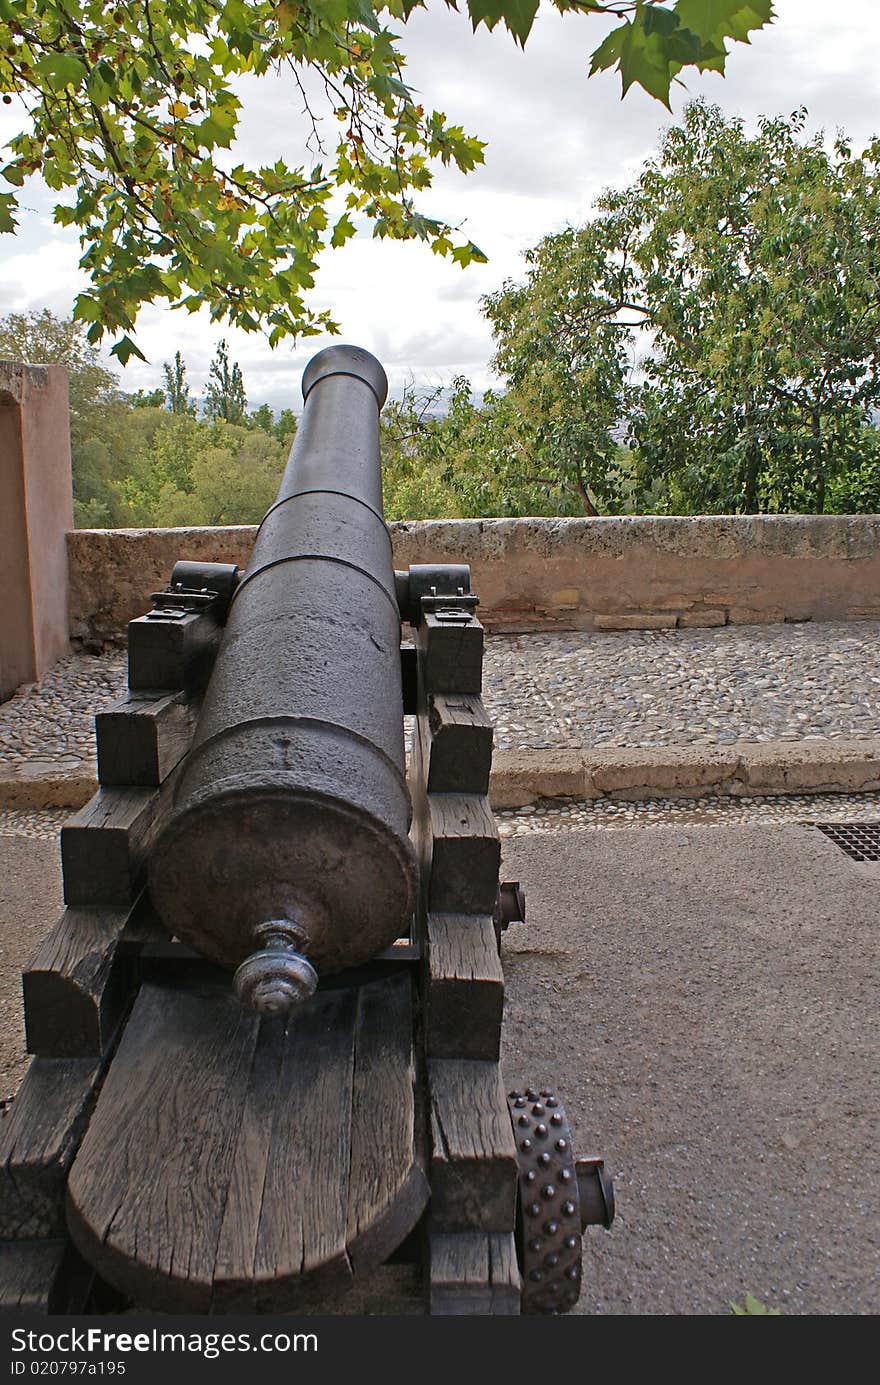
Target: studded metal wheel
[[548, 1207]]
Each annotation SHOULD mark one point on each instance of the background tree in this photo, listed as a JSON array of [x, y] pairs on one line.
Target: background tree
[[128, 111], [760, 265], [224, 396], [176, 388], [746, 270], [262, 418], [97, 409], [565, 347], [146, 399], [41, 338]]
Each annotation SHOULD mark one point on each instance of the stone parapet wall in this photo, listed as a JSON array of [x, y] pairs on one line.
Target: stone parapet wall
[[531, 574]]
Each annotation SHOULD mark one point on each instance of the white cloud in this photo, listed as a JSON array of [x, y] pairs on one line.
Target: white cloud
[[556, 139]]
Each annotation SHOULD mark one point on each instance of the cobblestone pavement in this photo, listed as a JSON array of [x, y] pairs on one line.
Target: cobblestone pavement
[[576, 815], [634, 688], [685, 687]]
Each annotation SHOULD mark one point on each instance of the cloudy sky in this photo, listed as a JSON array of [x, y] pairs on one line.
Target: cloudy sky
[[555, 140]]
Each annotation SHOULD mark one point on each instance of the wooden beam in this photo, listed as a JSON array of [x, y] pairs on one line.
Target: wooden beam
[[147, 1191], [39, 1137], [234, 1165], [141, 738], [104, 847], [458, 735], [450, 654], [79, 982], [172, 653], [473, 1156], [474, 1274], [30, 1272], [464, 986], [465, 854]]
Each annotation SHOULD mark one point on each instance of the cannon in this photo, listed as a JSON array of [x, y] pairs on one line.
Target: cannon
[[266, 1027]]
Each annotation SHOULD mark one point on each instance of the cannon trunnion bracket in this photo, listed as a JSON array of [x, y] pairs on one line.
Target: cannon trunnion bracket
[[266, 1026]]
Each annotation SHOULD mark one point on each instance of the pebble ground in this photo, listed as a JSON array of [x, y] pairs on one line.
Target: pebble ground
[[630, 688], [633, 688], [685, 687]]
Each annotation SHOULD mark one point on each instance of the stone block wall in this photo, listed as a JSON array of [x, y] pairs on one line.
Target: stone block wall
[[537, 574]]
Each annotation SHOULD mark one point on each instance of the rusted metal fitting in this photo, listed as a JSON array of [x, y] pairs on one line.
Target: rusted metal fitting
[[440, 583], [277, 977], [596, 1191], [511, 903], [196, 586]]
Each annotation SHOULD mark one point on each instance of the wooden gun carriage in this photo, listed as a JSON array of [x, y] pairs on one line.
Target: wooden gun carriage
[[185, 1142]]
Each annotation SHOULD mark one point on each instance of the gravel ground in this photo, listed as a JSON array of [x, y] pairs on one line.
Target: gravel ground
[[684, 687], [633, 688]]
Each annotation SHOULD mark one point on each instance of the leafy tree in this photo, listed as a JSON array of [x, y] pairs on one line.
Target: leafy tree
[[147, 399], [262, 418], [96, 406], [176, 389], [41, 338], [225, 397], [760, 261], [201, 472], [128, 111], [746, 270], [566, 353], [285, 426], [467, 460]]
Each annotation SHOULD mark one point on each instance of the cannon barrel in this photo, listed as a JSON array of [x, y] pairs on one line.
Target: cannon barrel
[[287, 851]]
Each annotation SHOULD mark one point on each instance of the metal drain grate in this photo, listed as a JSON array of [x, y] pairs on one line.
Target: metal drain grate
[[860, 840]]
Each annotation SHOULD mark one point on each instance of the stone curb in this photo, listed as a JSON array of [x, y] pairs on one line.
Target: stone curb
[[743, 769]]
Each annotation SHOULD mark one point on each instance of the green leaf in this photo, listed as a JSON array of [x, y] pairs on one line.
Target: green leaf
[[644, 59], [8, 206], [124, 349], [609, 51], [730, 18], [518, 15], [658, 20], [342, 231], [753, 1307], [60, 70]]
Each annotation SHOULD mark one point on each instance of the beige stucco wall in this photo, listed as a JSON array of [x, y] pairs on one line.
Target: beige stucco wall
[[36, 511], [615, 573]]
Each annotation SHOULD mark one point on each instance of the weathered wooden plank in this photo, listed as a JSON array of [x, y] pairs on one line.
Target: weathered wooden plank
[[39, 1136], [227, 1162], [234, 1289], [141, 738], [465, 854], [303, 1221], [80, 980], [173, 653], [30, 1272], [474, 1274], [464, 986], [147, 1190], [386, 1170], [473, 1157], [450, 654], [105, 845], [459, 735]]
